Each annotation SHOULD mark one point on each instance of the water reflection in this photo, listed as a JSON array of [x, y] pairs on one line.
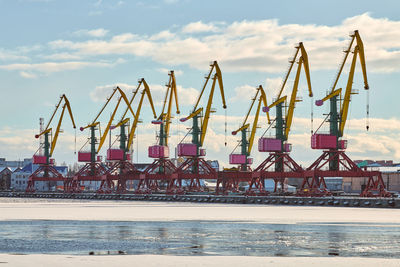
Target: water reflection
[[335, 238], [200, 238]]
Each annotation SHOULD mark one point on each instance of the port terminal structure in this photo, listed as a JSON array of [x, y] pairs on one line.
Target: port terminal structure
[[162, 176]]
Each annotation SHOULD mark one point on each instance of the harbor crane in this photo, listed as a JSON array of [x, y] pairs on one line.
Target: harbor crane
[[279, 159], [246, 144], [229, 179], [162, 168], [195, 167], [333, 156], [94, 169], [122, 169], [46, 170]]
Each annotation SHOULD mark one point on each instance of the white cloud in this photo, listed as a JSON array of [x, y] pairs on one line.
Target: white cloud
[[196, 27], [51, 67], [164, 35], [92, 33], [169, 2], [272, 87], [186, 96], [262, 45], [166, 71], [100, 93], [62, 56], [243, 93], [27, 75], [16, 55]]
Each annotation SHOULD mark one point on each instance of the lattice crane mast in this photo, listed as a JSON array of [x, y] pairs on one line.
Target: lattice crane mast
[[246, 144], [337, 120]]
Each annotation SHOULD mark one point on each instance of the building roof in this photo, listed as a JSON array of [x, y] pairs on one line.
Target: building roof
[[31, 167], [8, 168], [27, 168]]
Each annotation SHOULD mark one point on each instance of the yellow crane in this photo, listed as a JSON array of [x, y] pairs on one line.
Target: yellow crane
[[199, 134], [247, 144], [124, 121], [86, 157], [337, 120], [162, 167], [195, 167], [283, 125], [49, 148], [164, 119]]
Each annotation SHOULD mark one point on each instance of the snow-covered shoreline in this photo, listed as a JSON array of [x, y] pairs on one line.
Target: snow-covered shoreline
[[172, 261], [44, 209]]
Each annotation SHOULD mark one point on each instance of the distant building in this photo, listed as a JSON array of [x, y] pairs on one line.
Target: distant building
[[19, 178], [5, 178], [390, 175], [14, 163]]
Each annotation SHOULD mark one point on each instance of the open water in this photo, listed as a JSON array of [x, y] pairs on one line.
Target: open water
[[229, 238]]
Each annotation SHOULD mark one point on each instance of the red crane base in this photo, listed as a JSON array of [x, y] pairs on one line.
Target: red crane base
[[92, 171], [192, 170], [161, 170], [121, 172], [228, 181], [267, 170], [314, 182], [44, 172]]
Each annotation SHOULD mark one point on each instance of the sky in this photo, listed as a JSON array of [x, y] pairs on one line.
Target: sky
[[85, 48]]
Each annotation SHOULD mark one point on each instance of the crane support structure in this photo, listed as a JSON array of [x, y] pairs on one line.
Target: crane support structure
[[333, 156], [195, 167], [279, 165], [46, 171], [121, 169], [94, 170], [162, 169], [227, 181]]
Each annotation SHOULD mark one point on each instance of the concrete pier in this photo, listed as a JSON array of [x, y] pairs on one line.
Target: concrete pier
[[341, 201]]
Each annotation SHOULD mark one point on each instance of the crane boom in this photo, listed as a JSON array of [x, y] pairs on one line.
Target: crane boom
[[103, 137], [145, 91], [221, 85], [165, 118], [95, 122], [48, 130], [283, 126], [261, 100], [360, 45], [196, 112], [345, 102]]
